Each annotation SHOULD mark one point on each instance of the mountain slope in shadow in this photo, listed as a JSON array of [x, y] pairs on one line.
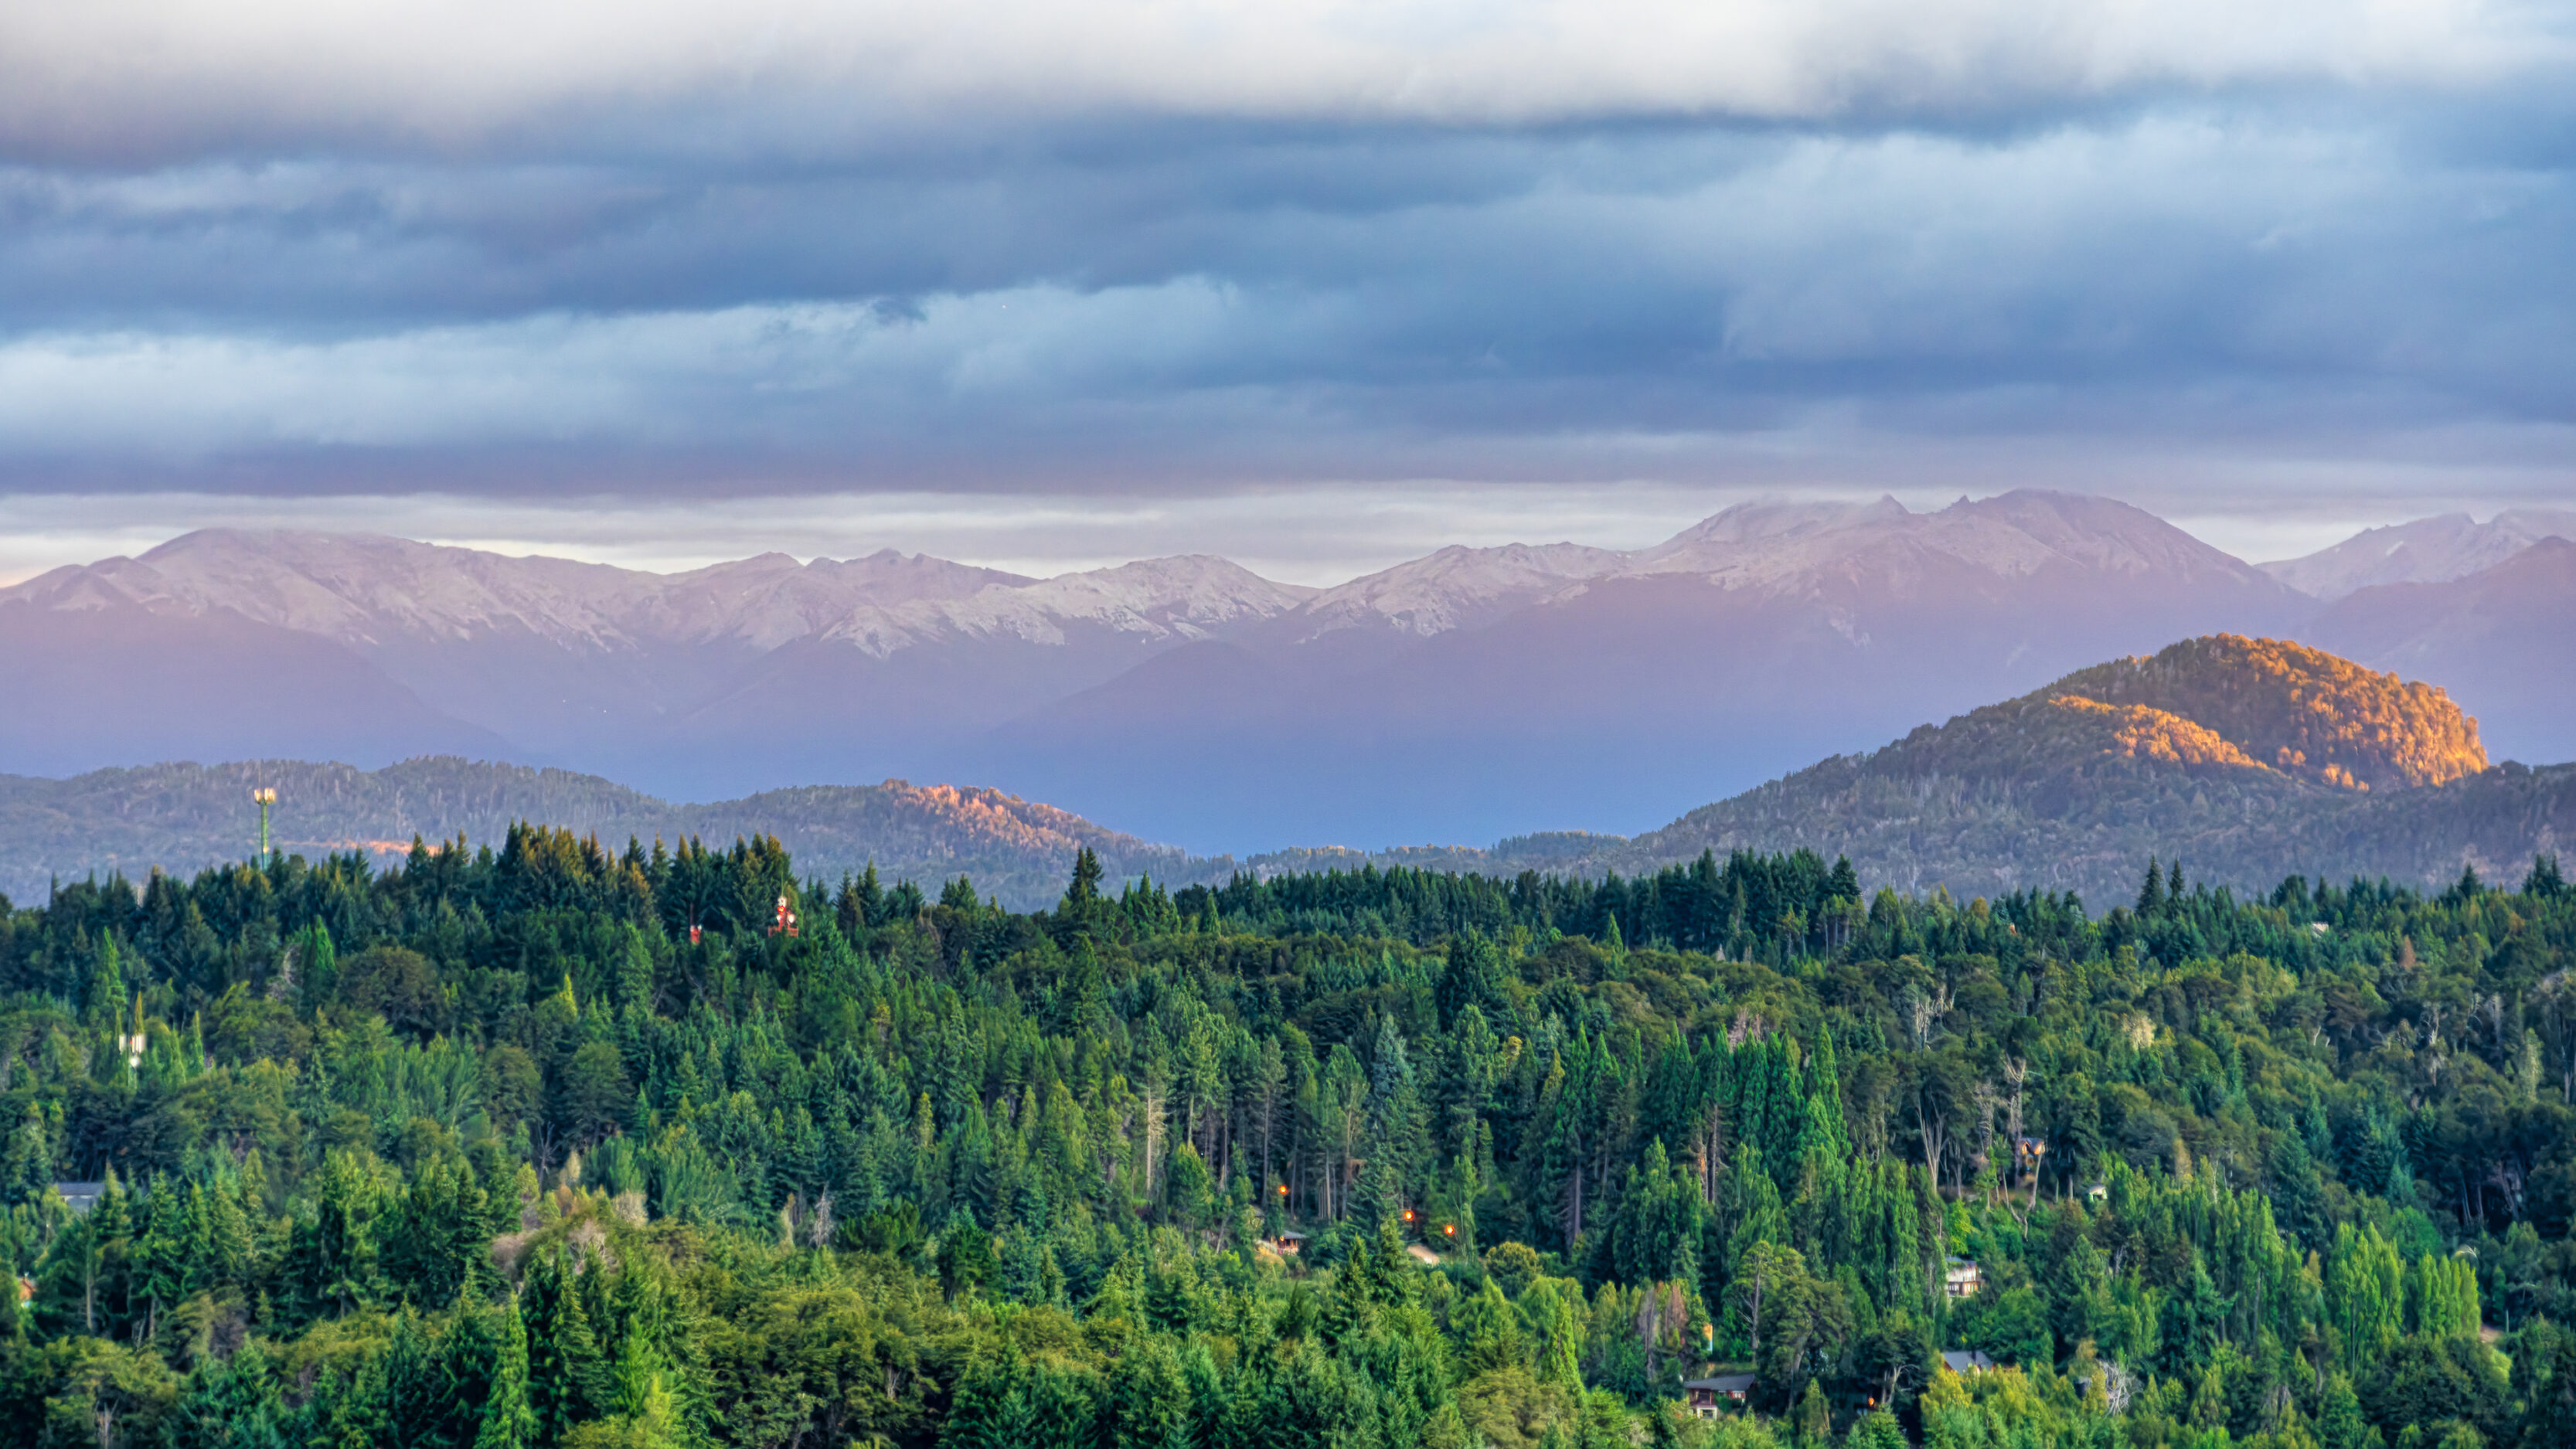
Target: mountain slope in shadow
[[2247, 759], [116, 682], [2500, 637], [183, 818]]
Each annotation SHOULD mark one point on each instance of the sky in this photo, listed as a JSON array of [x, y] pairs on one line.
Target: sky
[[1315, 285]]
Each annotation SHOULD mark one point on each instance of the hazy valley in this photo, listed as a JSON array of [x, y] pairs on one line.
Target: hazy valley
[[2244, 759], [1192, 702]]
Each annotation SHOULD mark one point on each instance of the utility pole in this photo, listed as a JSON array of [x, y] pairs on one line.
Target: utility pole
[[266, 796]]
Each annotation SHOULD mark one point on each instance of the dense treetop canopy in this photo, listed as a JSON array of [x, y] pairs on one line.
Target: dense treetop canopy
[[548, 1144]]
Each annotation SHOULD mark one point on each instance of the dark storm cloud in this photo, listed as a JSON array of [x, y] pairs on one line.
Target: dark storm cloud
[[1850, 260]]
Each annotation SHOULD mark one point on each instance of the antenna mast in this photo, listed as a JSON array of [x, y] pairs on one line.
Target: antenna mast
[[266, 796]]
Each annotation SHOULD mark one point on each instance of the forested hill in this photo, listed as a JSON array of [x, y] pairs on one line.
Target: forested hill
[[2248, 758], [538, 1149], [184, 817], [2286, 707]]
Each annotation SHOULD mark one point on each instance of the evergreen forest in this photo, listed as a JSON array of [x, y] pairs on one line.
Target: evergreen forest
[[546, 1146]]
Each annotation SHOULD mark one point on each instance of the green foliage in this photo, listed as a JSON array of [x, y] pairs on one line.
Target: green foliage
[[487, 1150]]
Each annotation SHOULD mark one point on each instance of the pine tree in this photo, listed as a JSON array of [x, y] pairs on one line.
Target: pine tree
[[1080, 909], [2339, 1421], [1844, 883], [103, 998], [508, 1422], [635, 973], [2151, 895], [567, 1379], [420, 1394], [1877, 1429], [434, 1240], [228, 1404], [1086, 998], [84, 1283], [316, 967], [332, 1250], [2544, 880], [1471, 976], [990, 1411], [30, 1162], [1815, 1420], [1148, 1404], [1560, 1333], [2548, 1357], [164, 1252], [1488, 1329], [1188, 1191], [1394, 1118]]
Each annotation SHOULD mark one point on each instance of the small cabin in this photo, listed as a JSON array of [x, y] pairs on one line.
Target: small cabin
[[1706, 1395], [1966, 1360], [80, 1197], [1960, 1278], [1289, 1244], [2098, 1192]]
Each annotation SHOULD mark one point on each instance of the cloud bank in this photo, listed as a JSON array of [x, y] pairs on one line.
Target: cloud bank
[[779, 247], [121, 76]]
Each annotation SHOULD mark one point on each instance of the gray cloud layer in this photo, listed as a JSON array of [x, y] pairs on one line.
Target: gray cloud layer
[[782, 246]]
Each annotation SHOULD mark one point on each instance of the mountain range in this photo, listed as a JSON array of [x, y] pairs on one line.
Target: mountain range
[[186, 818], [2244, 759], [2426, 551], [1470, 694]]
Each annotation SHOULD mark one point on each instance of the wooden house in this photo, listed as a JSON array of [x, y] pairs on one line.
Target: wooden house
[[1960, 1279], [1709, 1394]]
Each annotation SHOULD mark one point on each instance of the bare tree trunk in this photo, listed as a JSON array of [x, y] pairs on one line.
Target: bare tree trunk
[[1934, 1136], [2016, 1075], [1154, 1128]]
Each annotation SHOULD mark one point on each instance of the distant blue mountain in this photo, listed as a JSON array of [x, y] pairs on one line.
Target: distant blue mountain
[[1468, 695]]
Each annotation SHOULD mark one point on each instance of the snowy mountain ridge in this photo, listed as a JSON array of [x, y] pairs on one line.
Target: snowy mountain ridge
[[2425, 551], [371, 590]]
